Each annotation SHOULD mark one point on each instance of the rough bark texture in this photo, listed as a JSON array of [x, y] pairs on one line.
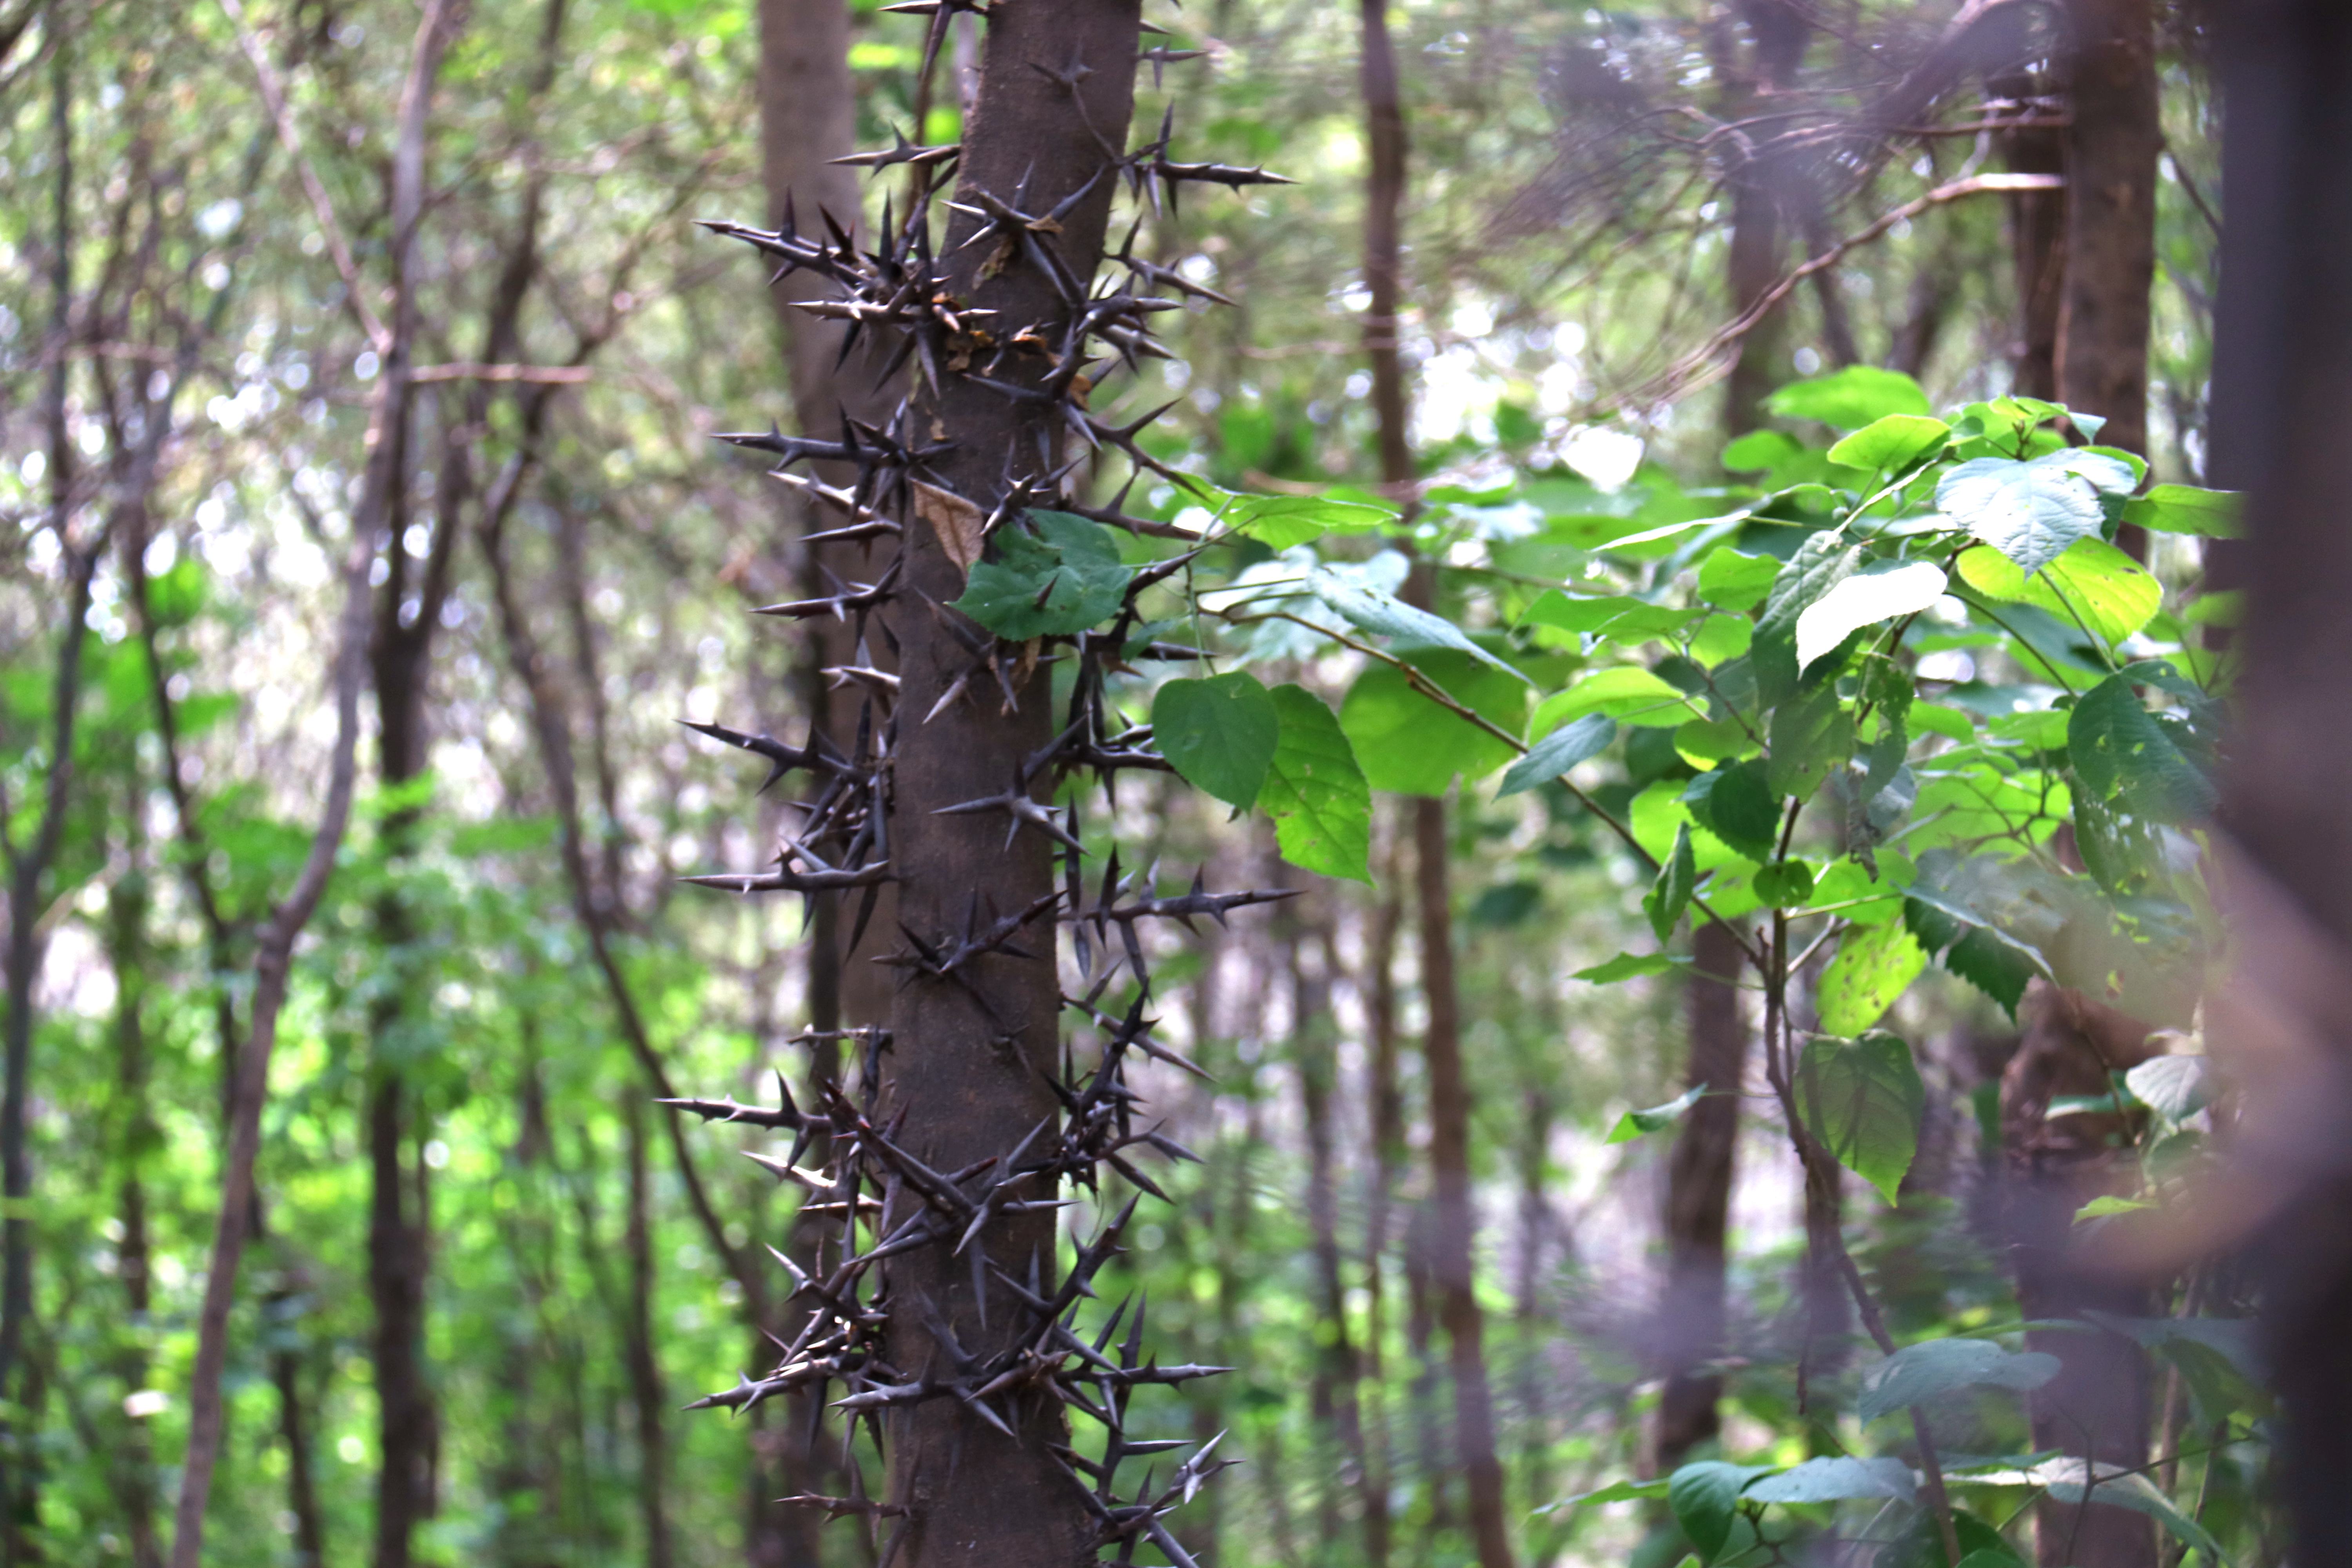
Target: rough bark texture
[[2111, 148], [969, 1079], [1698, 1201], [2283, 396], [1764, 191]]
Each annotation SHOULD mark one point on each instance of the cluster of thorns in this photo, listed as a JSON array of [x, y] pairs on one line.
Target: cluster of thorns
[[878, 1197]]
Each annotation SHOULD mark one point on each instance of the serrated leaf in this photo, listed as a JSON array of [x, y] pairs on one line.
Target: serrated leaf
[[1705, 1499], [1862, 1099], [1891, 443], [2034, 510], [2175, 1088], [1737, 805], [1876, 594], [1874, 965], [1671, 893], [1821, 562], [1851, 398], [1635, 1123], [1218, 734], [2122, 754], [1407, 744], [1063, 579], [1734, 579], [1315, 792], [2113, 596], [2185, 509], [1836, 1480], [2072, 1481], [1997, 964], [1622, 691], [1382, 613], [1925, 1371], [1810, 737], [1558, 752]]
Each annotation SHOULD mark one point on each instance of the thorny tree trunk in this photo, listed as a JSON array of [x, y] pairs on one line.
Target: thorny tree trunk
[[2110, 146], [967, 1069], [29, 863], [2283, 397], [1698, 1199]]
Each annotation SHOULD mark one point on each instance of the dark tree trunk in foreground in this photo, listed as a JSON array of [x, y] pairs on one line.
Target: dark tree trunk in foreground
[[2111, 148], [1698, 1199], [2283, 397], [968, 1065]]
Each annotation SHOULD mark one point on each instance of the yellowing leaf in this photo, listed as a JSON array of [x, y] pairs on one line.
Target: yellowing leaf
[[2109, 591]]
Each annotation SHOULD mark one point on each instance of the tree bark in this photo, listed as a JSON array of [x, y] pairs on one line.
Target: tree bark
[[1698, 1199], [128, 907], [2112, 144], [968, 1067], [1764, 194], [272, 968], [2283, 396]]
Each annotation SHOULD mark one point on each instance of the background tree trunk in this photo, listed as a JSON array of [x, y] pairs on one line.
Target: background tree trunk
[[2112, 141], [1698, 1199]]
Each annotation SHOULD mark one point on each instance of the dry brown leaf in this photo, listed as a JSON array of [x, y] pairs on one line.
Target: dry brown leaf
[[956, 520]]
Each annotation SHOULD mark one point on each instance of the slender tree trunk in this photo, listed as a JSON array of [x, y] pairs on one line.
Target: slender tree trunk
[[272, 969], [645, 1368], [2037, 230], [1390, 1152], [2111, 148], [968, 1065], [29, 863], [128, 909], [1698, 1199], [286, 1360], [1452, 1251], [2283, 396], [1537, 1222], [1766, 191]]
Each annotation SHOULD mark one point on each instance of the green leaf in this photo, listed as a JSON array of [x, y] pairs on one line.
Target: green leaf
[[1634, 1123], [1810, 737], [1627, 966], [2094, 580], [1613, 615], [1821, 562], [1705, 1497], [1622, 691], [1060, 581], [1874, 965], [2185, 509], [2109, 1205], [1671, 893], [1410, 745], [1851, 398], [1996, 963], [1282, 521], [1381, 613], [1922, 1372], [1876, 594], [1784, 885], [1314, 790], [1734, 579], [1836, 1480], [1615, 1491], [1862, 1099], [1558, 752], [1737, 805], [2123, 754], [1219, 733], [2074, 1481], [2175, 1088], [1892, 443], [2031, 512]]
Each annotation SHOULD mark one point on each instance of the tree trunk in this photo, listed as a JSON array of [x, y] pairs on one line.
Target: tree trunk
[[1764, 193], [2283, 396], [1698, 1200], [645, 1368], [128, 909], [2111, 148], [968, 1069]]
